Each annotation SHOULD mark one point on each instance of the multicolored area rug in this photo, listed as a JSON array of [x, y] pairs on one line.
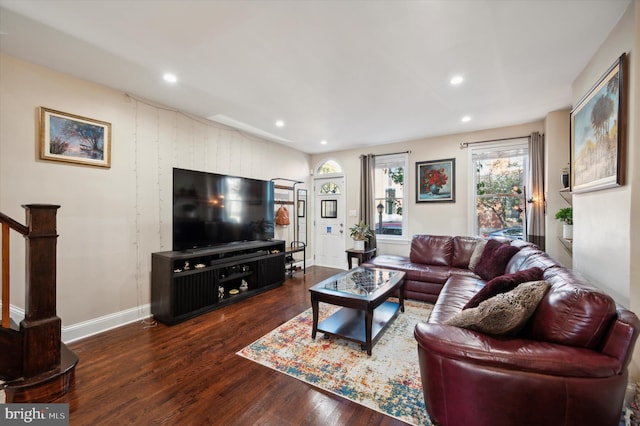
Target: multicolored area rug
[[631, 414], [388, 381]]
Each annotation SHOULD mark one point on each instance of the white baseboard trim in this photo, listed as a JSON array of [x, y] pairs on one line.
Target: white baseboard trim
[[78, 331], [15, 313], [88, 328], [81, 330]]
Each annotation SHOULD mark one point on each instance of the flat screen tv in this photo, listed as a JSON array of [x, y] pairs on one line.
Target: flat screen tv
[[211, 209]]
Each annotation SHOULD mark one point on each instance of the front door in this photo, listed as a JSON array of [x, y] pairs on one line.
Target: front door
[[329, 226]]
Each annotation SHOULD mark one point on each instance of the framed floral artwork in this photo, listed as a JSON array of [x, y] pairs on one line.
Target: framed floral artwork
[[436, 181], [74, 139], [598, 133]]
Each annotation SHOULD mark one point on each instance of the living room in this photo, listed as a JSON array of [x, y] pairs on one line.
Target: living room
[[112, 219]]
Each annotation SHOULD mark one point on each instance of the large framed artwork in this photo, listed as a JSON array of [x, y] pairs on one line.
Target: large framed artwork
[[74, 139], [436, 181], [598, 133]]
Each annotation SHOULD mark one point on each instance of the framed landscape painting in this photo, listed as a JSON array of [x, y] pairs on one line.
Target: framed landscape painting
[[598, 133], [74, 139], [435, 181]]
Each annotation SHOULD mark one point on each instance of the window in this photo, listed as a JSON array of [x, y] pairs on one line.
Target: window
[[390, 195], [329, 209], [330, 188], [499, 176], [329, 167]]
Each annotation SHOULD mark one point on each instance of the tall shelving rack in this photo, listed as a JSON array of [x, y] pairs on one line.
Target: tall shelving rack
[[295, 246]]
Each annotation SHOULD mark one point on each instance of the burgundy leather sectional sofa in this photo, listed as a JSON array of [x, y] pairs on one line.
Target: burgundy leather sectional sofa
[[566, 366]]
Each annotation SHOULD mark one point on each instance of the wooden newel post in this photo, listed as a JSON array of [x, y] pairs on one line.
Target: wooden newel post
[[41, 327]]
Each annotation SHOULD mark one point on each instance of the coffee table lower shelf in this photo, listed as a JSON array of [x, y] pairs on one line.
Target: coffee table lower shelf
[[350, 323]]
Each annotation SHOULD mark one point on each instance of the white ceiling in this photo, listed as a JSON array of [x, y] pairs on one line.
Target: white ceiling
[[353, 73]]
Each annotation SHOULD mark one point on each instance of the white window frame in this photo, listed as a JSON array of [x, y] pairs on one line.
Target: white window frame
[[404, 158], [509, 144]]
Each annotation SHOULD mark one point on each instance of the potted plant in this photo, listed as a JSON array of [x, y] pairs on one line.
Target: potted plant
[[565, 215], [360, 232]]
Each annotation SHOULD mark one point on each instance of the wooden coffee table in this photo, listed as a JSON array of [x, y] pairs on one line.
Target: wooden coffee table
[[362, 293]]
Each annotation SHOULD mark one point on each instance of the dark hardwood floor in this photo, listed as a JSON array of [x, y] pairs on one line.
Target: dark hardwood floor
[[189, 374]]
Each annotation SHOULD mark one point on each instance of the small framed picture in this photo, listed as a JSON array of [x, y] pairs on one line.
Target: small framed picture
[[436, 181], [74, 139]]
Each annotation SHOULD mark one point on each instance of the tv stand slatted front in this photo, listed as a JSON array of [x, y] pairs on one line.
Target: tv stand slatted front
[[185, 284]]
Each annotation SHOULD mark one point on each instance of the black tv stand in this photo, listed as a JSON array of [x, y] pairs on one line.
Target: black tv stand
[[188, 283]]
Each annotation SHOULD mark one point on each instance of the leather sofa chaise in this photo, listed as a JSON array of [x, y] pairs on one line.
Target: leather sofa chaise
[[566, 364]]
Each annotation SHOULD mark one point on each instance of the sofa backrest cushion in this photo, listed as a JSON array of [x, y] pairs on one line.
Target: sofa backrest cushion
[[572, 312], [477, 253], [494, 259], [431, 250], [502, 284], [528, 258], [463, 248]]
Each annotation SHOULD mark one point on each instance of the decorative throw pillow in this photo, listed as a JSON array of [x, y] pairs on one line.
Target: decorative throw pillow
[[477, 252], [502, 284], [504, 314], [494, 259]]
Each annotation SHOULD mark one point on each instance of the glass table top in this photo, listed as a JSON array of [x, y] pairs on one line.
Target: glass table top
[[362, 281]]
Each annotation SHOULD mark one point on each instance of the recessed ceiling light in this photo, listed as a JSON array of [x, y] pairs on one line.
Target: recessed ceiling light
[[456, 79], [323, 142], [170, 78], [279, 123], [466, 118]]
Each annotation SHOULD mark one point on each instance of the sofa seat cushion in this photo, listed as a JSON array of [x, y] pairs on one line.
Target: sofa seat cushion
[[420, 290], [504, 314], [502, 284], [462, 271], [413, 271], [387, 261], [427, 273], [454, 295], [494, 259], [431, 250]]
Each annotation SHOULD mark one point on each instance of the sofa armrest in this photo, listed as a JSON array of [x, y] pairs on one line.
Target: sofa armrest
[[514, 354], [622, 336]]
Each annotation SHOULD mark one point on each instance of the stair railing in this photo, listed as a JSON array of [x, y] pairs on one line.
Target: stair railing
[[40, 328], [7, 225]]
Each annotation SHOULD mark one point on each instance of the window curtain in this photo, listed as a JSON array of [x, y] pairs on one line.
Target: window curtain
[[535, 196], [367, 196]]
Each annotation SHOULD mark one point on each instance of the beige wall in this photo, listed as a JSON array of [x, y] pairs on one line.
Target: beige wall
[[556, 126], [603, 219], [425, 218], [606, 223], [111, 220], [634, 180]]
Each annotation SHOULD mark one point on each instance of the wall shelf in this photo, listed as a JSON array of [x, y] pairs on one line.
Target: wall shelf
[[567, 244], [567, 195]]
